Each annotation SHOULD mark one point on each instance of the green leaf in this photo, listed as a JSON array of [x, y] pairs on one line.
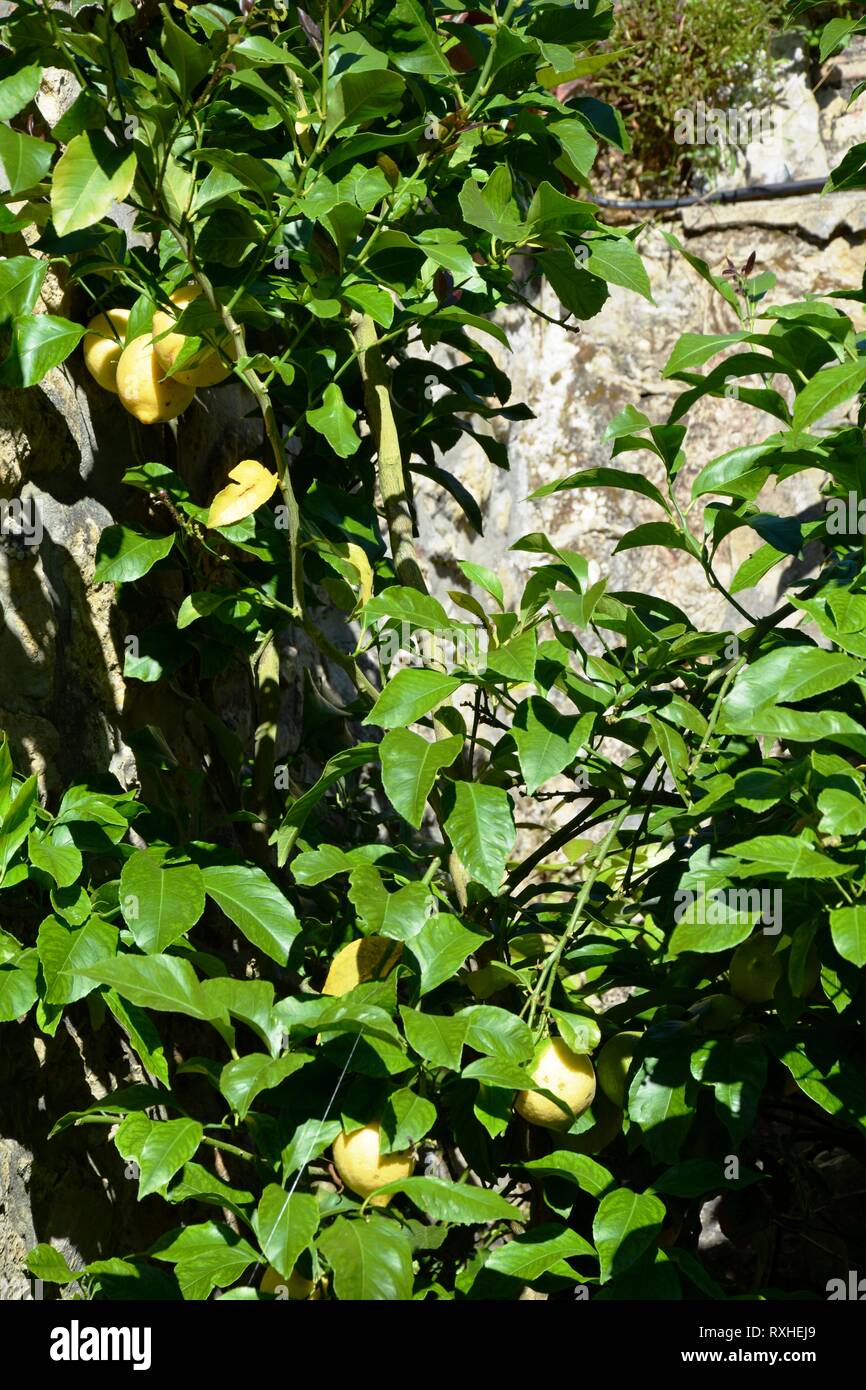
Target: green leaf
[[159, 1147], [438, 1038], [409, 767], [18, 988], [787, 674], [166, 983], [65, 952], [370, 1260], [662, 533], [492, 208], [160, 903], [357, 97], [604, 477], [848, 928], [736, 1069], [409, 695], [309, 1142], [38, 344], [246, 1077], [400, 915], [580, 1033], [514, 659], [460, 1204], [485, 579], [407, 605], [590, 1176], [285, 1224], [547, 741], [205, 1256], [123, 555], [256, 905], [617, 261], [24, 160], [441, 947], [481, 828], [794, 857], [89, 177], [21, 280], [143, 1036], [190, 61], [336, 421], [626, 1225], [659, 1104], [827, 390], [497, 1031], [61, 861], [842, 813], [406, 1119], [527, 1256], [694, 349], [17, 822], [18, 91]]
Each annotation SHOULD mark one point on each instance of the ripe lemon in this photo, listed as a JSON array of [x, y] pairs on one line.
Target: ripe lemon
[[296, 1285], [613, 1063], [755, 970], [363, 1168], [369, 958], [566, 1074], [141, 387], [103, 344], [207, 367]]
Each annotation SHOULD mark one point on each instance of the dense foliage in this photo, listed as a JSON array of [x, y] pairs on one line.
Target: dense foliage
[[346, 193]]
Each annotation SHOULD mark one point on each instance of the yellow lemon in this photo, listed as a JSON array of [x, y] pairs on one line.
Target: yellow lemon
[[103, 344], [207, 367], [141, 387], [369, 958], [568, 1075], [613, 1063], [363, 1167], [296, 1285], [755, 969]]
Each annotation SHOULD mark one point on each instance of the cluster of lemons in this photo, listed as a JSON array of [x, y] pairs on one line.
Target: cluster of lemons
[[135, 370], [569, 1076]]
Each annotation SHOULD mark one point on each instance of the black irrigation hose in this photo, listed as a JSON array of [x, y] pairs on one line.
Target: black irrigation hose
[[758, 193]]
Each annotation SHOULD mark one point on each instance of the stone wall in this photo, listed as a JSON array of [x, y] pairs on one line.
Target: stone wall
[[576, 383]]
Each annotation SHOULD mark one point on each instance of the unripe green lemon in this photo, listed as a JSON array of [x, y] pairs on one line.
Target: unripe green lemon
[[568, 1075], [141, 387], [716, 1012], [755, 969], [207, 367], [613, 1063], [103, 344], [363, 1168], [296, 1285], [608, 1124]]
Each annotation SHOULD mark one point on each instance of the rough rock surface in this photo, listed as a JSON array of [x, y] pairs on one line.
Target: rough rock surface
[[576, 383]]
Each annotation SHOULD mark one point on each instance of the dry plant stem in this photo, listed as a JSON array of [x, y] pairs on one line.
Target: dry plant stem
[[392, 483]]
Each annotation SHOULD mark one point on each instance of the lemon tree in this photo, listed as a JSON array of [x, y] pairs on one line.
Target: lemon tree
[[370, 1021]]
